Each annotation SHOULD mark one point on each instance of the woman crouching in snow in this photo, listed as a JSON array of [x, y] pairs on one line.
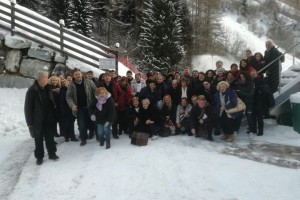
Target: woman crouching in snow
[[103, 112]]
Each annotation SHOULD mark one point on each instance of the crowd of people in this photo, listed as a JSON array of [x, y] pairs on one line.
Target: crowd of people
[[194, 103]]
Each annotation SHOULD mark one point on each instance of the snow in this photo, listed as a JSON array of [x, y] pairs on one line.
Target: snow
[[178, 167], [206, 62], [295, 98]]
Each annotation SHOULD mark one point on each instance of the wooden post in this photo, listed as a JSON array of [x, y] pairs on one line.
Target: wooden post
[[13, 10], [62, 24]]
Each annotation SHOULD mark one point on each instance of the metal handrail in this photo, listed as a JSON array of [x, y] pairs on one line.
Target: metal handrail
[[63, 35]]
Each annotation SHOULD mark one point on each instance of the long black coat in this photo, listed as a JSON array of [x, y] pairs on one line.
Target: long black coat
[[197, 113], [38, 116]]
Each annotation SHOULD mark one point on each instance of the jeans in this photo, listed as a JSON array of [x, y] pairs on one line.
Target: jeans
[[83, 120], [104, 132]]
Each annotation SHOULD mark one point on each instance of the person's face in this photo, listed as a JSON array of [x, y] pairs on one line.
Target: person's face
[[258, 57], [269, 45], [194, 100], [65, 83], [135, 103], [89, 76], [77, 76], [107, 78], [248, 54], [183, 102], [195, 74], [234, 68], [183, 84], [129, 75], [230, 76], [43, 81], [160, 79], [123, 82], [201, 77], [242, 77], [152, 86], [101, 94], [219, 65], [167, 100], [145, 105], [223, 88], [54, 82], [186, 71], [201, 103], [243, 64], [206, 85], [174, 84], [113, 74], [253, 74], [69, 78], [220, 73], [210, 74], [137, 77]]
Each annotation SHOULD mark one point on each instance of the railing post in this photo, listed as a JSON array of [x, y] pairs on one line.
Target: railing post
[[13, 11], [117, 62], [62, 24]]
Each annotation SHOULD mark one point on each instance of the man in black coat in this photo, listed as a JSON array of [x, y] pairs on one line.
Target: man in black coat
[[40, 116], [273, 71]]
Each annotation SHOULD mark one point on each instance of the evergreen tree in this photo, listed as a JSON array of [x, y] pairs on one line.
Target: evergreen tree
[[161, 36], [244, 7], [58, 9], [30, 4], [80, 17]]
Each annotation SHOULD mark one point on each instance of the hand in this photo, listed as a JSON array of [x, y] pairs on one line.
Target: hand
[[201, 121], [31, 131], [193, 131], [222, 108], [106, 124], [93, 118], [74, 108], [116, 104]]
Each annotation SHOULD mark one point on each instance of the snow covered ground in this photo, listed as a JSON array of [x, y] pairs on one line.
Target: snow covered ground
[[178, 167]]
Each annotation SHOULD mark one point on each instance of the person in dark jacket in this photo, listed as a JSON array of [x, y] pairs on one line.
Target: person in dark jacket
[[274, 70], [202, 119], [40, 116], [133, 115], [168, 115], [226, 98], [244, 65], [175, 92], [150, 93], [103, 112], [245, 91], [258, 62], [66, 117], [149, 119]]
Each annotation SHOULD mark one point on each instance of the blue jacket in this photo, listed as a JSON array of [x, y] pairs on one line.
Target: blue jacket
[[230, 100]]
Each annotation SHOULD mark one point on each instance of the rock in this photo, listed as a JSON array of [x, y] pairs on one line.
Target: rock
[[2, 66], [13, 59], [30, 66], [15, 81], [41, 54], [60, 58], [2, 53], [16, 42], [2, 36], [60, 69]]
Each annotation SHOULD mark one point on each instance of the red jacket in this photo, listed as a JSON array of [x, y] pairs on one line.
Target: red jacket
[[123, 96]]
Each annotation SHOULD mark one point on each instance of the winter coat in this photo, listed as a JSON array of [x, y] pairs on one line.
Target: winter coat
[[230, 100], [71, 96], [145, 114], [123, 96], [134, 85], [151, 95], [161, 90], [171, 112], [37, 115], [209, 94], [189, 94], [108, 112], [175, 94], [206, 114], [65, 110], [181, 111], [245, 91], [110, 88], [263, 98]]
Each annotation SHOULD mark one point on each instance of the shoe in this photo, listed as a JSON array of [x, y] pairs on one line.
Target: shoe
[[102, 142], [53, 157], [39, 161], [210, 138], [224, 137], [116, 137], [74, 140], [260, 133], [107, 144], [190, 134], [230, 138], [217, 132], [56, 135], [67, 140], [82, 143], [154, 137]]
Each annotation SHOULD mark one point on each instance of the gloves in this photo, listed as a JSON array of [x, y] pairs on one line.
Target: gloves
[[106, 124], [93, 118], [31, 131]]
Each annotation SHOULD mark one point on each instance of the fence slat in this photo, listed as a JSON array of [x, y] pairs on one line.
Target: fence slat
[[4, 12], [5, 5], [81, 52], [5, 20]]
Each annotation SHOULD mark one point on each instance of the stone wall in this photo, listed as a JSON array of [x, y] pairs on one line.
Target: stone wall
[[20, 59]]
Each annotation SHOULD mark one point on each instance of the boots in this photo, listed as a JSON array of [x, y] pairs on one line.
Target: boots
[[102, 142], [107, 144], [230, 138]]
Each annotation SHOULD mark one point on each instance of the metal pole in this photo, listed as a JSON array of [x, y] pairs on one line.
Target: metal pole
[[62, 24], [117, 62], [13, 10], [294, 53]]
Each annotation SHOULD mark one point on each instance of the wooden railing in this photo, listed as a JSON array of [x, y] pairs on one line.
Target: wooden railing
[[53, 35]]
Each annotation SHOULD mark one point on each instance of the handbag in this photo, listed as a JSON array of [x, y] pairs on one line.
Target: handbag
[[240, 106]]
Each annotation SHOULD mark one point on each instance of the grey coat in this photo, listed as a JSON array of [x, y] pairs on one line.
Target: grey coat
[[71, 96]]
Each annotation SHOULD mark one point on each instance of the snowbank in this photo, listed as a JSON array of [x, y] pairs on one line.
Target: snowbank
[[295, 98]]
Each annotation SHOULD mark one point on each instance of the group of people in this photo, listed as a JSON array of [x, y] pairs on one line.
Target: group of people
[[198, 104]]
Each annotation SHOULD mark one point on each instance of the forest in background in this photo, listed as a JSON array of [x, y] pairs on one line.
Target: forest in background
[[164, 35]]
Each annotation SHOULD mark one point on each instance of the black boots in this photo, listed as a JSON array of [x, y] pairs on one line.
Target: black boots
[[107, 144], [39, 161], [53, 157], [102, 142], [83, 142]]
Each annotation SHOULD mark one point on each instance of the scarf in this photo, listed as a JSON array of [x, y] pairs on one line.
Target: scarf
[[101, 101]]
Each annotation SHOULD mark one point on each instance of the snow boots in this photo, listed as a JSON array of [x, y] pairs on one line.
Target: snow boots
[[107, 144]]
